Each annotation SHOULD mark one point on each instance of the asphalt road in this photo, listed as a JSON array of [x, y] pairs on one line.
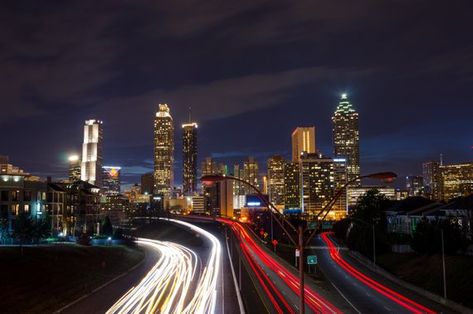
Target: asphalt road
[[361, 297], [100, 301], [226, 301]]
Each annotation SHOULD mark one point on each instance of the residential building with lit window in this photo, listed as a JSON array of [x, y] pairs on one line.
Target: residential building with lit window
[[346, 137], [92, 152], [163, 151]]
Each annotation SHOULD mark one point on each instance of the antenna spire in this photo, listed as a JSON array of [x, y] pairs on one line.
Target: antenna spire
[[190, 120]]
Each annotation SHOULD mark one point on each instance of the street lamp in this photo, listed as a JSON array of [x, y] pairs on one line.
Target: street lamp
[[280, 219]]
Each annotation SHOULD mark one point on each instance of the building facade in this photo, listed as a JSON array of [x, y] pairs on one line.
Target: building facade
[[92, 152], [111, 179], [250, 175], [74, 169], [303, 141], [292, 196], [346, 137], [275, 180], [415, 185], [432, 180], [147, 183], [456, 180], [163, 151], [189, 152]]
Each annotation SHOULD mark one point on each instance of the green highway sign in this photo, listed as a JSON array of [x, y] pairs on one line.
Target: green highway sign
[[312, 259], [312, 225]]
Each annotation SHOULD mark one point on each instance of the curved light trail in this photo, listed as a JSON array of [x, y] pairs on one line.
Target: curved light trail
[[168, 287], [315, 302], [405, 302]]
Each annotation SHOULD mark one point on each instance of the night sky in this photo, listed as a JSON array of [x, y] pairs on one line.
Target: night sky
[[251, 70]]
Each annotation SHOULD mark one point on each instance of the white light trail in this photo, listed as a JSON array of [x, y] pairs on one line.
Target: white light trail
[[166, 288]]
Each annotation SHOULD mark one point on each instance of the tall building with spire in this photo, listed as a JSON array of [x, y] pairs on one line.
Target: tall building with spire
[[92, 152], [346, 137], [163, 151], [189, 157]]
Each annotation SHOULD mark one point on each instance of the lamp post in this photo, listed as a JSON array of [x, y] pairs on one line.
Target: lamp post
[[281, 220]]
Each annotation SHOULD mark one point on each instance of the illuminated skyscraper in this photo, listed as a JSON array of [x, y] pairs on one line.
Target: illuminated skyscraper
[[250, 174], [189, 149], [74, 168], [303, 141], [163, 151], [346, 137], [92, 152], [415, 185], [291, 185], [276, 180], [456, 180], [432, 180], [111, 179]]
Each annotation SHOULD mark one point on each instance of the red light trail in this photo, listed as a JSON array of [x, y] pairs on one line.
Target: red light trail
[[392, 295], [313, 300]]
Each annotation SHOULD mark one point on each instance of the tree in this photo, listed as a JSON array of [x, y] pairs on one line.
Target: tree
[[107, 228], [427, 236], [23, 229], [369, 210]]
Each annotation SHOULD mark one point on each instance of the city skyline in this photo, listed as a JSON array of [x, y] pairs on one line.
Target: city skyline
[[295, 81]]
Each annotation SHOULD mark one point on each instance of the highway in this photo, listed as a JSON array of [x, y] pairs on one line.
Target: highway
[[167, 286], [365, 292], [280, 284]]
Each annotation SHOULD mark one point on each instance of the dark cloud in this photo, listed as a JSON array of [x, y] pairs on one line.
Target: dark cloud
[[251, 70]]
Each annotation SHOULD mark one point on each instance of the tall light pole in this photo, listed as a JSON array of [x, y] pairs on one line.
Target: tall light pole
[[443, 268], [281, 220]]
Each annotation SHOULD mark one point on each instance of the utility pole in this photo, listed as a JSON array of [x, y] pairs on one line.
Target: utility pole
[[301, 269], [443, 268], [374, 245]]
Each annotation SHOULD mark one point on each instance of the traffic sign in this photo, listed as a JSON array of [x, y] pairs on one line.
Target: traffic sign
[[312, 225], [275, 242], [298, 253], [312, 259]]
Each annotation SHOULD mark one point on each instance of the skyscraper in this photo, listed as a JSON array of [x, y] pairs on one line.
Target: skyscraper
[[415, 185], [74, 167], [276, 180], [111, 179], [432, 180], [346, 137], [92, 152], [189, 158], [456, 180], [250, 174], [147, 183], [303, 140], [163, 151], [291, 185]]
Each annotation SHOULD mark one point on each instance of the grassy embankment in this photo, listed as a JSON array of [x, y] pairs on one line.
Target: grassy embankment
[[426, 272], [46, 278]]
